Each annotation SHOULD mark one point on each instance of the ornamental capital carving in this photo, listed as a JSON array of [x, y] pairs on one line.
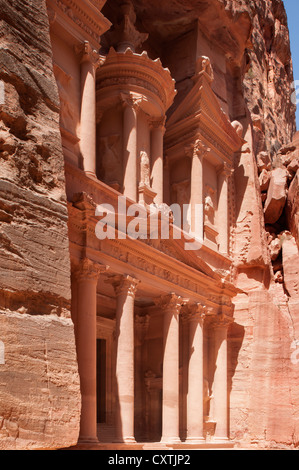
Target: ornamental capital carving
[[87, 54], [226, 170], [198, 150], [89, 270], [171, 302], [220, 322], [132, 101], [158, 124], [124, 285], [197, 312]]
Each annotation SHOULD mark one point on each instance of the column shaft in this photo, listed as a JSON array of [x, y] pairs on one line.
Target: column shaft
[[157, 161], [220, 392], [222, 217], [170, 398], [197, 203], [86, 337], [195, 381], [130, 151], [125, 360]]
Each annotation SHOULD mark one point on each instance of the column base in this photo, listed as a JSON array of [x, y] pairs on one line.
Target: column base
[[125, 440], [90, 174], [170, 440], [220, 439], [88, 440], [195, 440]]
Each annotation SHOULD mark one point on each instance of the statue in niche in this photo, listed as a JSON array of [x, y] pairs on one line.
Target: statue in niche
[[144, 169], [209, 206], [203, 64], [111, 166]]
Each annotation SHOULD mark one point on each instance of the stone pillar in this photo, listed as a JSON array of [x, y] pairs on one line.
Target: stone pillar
[[141, 327], [220, 392], [199, 152], [125, 290], [90, 60], [157, 135], [171, 306], [130, 149], [87, 275], [195, 399], [222, 213]]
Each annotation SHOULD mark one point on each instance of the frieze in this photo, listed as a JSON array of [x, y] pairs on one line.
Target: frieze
[[72, 10]]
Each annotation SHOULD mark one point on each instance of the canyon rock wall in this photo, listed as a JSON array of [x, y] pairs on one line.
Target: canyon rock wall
[[39, 383]]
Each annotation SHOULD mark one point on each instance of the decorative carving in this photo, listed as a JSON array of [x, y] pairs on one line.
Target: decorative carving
[[125, 34], [203, 65], [67, 110], [209, 205], [145, 169], [170, 302], [87, 269], [88, 54], [110, 159], [124, 285]]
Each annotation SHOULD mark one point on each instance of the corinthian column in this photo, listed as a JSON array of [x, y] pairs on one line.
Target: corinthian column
[[130, 148], [195, 399], [220, 391], [125, 290], [89, 60], [86, 277], [157, 134], [171, 306], [222, 214], [197, 197]]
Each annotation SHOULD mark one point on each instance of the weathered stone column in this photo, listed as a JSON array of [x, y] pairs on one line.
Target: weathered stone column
[[220, 392], [125, 289], [87, 275], [195, 399], [171, 306], [141, 327], [222, 213], [130, 148], [157, 134], [89, 60], [199, 152]]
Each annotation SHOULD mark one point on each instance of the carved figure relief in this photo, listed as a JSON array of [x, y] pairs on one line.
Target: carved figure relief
[[111, 165], [67, 110], [144, 169], [209, 205]]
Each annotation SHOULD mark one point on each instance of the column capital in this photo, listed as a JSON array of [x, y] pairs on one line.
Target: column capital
[[88, 270], [88, 54], [124, 285], [198, 149], [220, 322], [158, 124], [226, 170], [170, 302], [129, 100], [197, 312]]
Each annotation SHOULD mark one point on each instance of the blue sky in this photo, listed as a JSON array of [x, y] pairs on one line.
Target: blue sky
[[292, 9]]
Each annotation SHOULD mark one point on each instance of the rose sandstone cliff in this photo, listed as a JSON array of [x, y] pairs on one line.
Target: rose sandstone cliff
[[248, 45], [39, 384]]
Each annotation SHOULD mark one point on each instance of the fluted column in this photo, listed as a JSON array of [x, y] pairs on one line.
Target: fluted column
[[220, 391], [89, 60], [125, 290], [223, 214], [157, 135], [195, 399], [86, 276], [130, 148], [199, 151], [171, 306]]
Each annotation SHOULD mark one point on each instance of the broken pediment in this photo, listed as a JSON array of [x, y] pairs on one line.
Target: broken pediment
[[200, 110]]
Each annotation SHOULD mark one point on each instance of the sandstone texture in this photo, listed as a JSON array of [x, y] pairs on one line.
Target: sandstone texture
[[39, 397]]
